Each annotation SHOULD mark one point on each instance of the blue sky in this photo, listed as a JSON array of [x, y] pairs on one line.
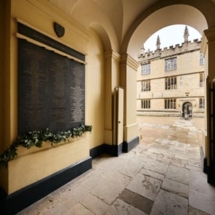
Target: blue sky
[[171, 35]]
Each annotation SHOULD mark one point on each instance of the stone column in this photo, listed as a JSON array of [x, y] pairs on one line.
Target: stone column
[[128, 69], [111, 81]]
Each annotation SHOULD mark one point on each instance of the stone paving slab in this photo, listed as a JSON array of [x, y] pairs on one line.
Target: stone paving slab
[[145, 186], [169, 204], [175, 187], [202, 201], [155, 166], [122, 208], [137, 201], [179, 162], [94, 204], [178, 174], [198, 182], [110, 188], [71, 197], [47, 205], [78, 209], [131, 167], [152, 174], [194, 211], [97, 177]]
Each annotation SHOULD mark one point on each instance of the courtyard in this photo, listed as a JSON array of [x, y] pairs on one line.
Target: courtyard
[[161, 176]]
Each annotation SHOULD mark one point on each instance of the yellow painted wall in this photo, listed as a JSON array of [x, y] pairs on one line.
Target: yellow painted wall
[[128, 81], [112, 74], [95, 90], [31, 167], [131, 92]]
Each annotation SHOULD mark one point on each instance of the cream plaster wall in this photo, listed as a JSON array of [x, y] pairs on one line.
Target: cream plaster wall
[[38, 15], [95, 97], [31, 167]]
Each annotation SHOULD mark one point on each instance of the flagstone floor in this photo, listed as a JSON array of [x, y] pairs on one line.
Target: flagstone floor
[[161, 176]]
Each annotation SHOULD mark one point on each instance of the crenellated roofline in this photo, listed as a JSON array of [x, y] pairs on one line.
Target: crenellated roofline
[[170, 51]]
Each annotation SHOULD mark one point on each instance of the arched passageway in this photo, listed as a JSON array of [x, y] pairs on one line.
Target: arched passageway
[[108, 35], [169, 14]]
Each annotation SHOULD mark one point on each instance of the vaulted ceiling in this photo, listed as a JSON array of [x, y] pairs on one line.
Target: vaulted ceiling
[[118, 20]]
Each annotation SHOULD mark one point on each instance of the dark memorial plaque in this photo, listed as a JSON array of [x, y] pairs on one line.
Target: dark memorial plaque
[[51, 90]]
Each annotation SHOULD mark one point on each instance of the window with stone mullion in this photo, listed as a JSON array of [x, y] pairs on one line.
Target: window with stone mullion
[[170, 104], [201, 60], [171, 64], [170, 83], [146, 85], [201, 103], [201, 79], [145, 104], [145, 69]]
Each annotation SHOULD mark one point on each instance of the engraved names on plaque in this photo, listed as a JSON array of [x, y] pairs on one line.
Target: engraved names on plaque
[[31, 88], [77, 96], [51, 90]]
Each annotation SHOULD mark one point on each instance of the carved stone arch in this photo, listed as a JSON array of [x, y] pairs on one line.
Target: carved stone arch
[[103, 36], [187, 109], [168, 13]]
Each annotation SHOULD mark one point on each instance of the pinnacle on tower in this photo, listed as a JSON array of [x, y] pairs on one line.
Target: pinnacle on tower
[[158, 43], [142, 50], [186, 34]]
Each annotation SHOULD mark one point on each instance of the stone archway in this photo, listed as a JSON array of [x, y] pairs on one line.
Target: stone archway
[[170, 14], [187, 109]]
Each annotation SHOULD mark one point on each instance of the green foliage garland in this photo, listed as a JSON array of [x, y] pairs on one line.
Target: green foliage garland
[[36, 138]]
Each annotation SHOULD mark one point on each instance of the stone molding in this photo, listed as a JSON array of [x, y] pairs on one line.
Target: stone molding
[[128, 60], [112, 54], [204, 45], [210, 35]]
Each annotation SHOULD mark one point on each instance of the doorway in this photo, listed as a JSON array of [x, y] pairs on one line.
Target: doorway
[[187, 109]]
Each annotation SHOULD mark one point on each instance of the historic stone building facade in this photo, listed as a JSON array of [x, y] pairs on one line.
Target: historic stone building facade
[[170, 82]]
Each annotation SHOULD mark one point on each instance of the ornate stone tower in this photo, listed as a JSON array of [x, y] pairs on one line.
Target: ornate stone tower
[[142, 50], [186, 34], [158, 43]]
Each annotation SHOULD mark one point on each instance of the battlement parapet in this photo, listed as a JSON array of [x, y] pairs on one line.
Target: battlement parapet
[[166, 52]]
